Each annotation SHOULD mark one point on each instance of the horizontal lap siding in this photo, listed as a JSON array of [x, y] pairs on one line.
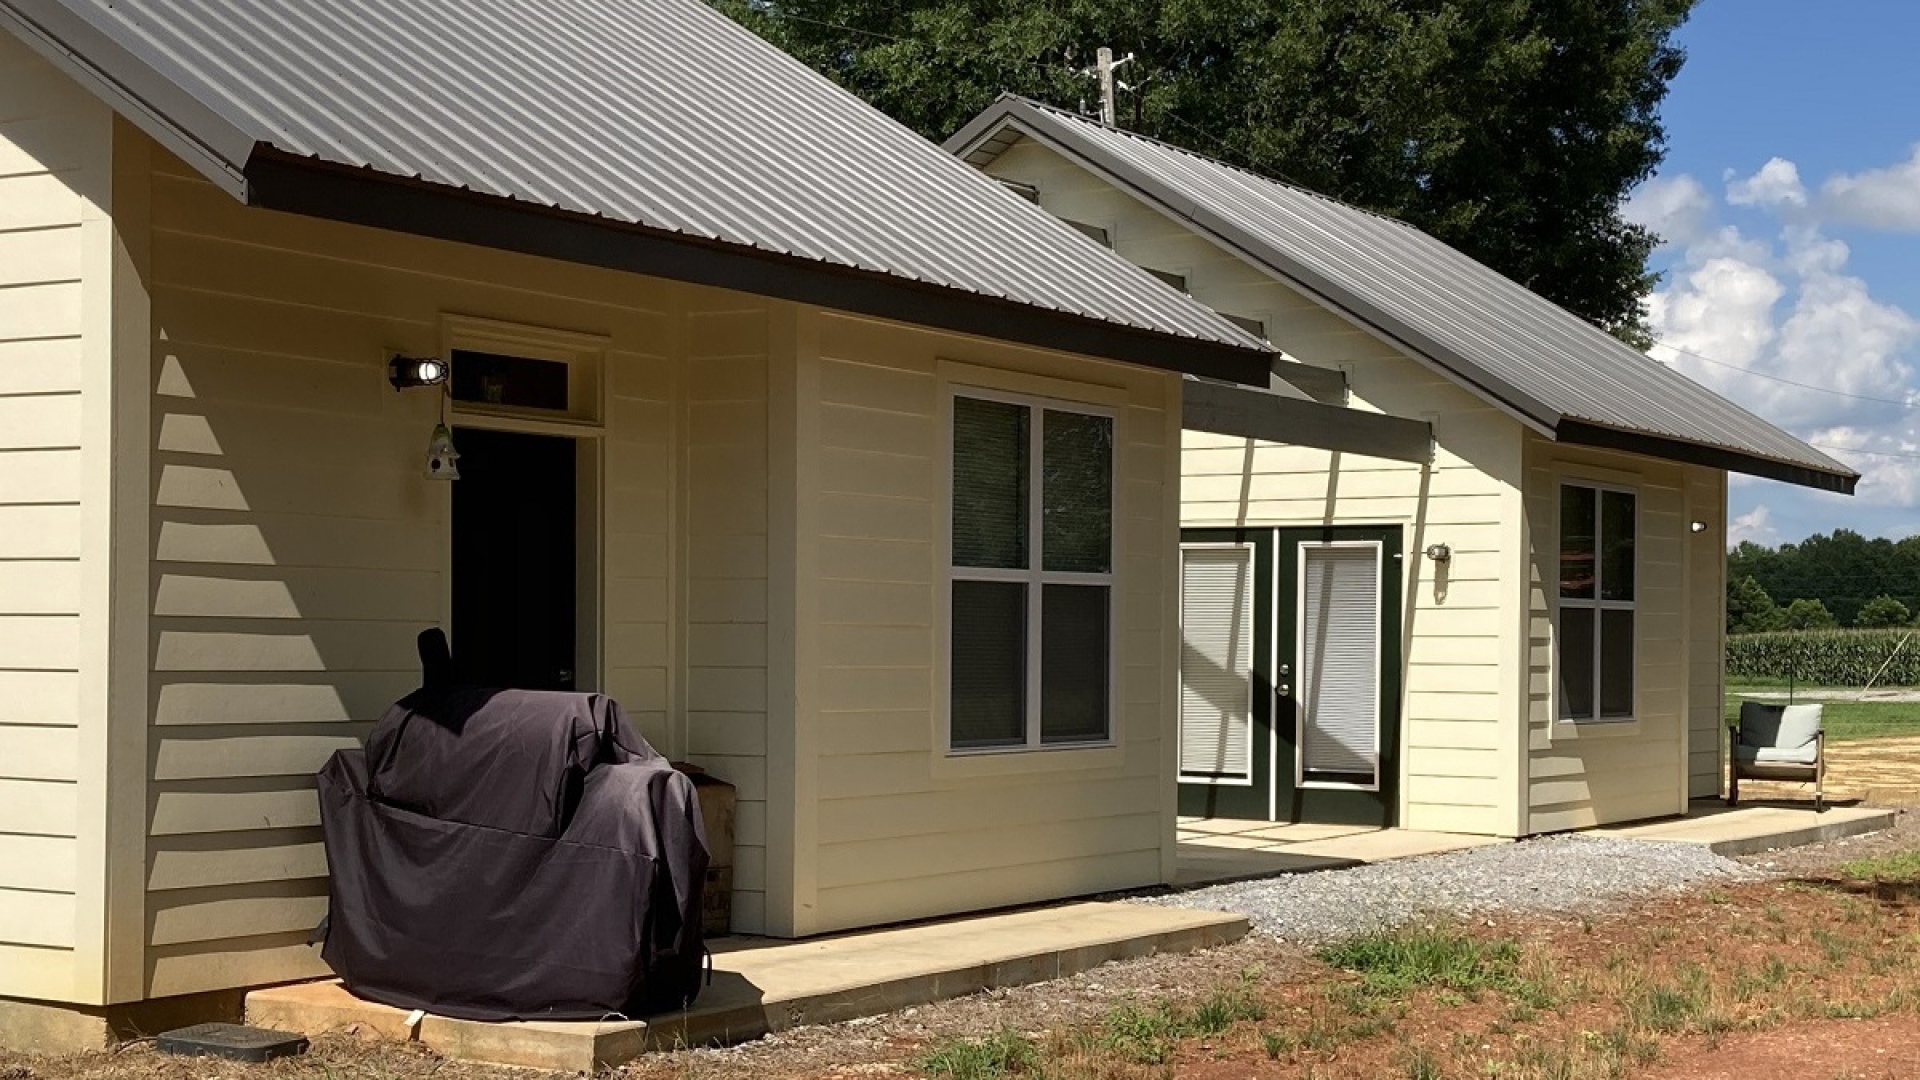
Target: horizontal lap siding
[[54, 157], [903, 830], [299, 547], [1460, 623], [1706, 657], [726, 574], [1605, 773], [639, 519]]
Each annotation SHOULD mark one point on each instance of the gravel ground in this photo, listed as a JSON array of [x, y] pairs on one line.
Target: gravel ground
[[1552, 874]]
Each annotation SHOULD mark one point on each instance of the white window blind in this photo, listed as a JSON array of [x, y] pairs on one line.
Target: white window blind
[[1338, 692], [1216, 662]]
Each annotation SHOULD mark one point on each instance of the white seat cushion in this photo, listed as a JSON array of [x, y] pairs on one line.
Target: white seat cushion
[[1765, 727], [1776, 755]]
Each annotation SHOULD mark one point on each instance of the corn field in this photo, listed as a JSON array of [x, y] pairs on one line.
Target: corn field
[[1828, 657]]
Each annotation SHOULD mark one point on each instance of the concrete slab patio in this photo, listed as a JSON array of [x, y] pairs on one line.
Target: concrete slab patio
[[1216, 850], [762, 985], [1754, 827]]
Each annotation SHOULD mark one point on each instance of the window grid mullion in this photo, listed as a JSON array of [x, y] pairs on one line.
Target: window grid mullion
[[1036, 561]]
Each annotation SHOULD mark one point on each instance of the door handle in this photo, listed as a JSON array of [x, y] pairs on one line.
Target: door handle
[[1284, 689]]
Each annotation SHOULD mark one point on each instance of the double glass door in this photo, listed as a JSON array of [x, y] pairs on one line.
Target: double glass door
[[1290, 674]]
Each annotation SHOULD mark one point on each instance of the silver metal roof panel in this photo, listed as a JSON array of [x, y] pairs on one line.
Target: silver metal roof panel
[[659, 116], [1537, 361]]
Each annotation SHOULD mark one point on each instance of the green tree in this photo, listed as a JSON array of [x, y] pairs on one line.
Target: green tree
[[1805, 614], [1750, 610], [1882, 611], [1511, 129], [1843, 570]]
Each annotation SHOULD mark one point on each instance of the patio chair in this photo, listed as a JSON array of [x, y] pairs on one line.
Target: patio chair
[[1778, 742]]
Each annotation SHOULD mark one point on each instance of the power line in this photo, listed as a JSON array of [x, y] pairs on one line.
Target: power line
[[1906, 403], [1863, 450]]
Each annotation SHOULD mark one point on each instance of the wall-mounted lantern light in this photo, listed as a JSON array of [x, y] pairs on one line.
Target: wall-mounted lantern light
[[1699, 526], [1439, 552], [405, 372]]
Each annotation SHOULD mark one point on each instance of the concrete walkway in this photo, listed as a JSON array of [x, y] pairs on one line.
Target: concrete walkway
[[762, 985], [1754, 827], [1213, 850]]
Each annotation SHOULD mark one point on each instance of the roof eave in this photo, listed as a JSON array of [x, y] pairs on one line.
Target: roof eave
[[1580, 433], [280, 181], [134, 88]]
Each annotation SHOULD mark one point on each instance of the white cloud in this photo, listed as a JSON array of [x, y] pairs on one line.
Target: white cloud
[[1752, 525], [1886, 198], [1777, 184], [1721, 308], [1888, 461], [1751, 311], [1676, 210]]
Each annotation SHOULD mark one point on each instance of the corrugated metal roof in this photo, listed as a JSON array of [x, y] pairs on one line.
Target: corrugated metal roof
[[657, 113], [1526, 354]]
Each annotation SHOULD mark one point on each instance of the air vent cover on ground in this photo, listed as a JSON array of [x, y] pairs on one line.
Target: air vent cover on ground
[[235, 1041]]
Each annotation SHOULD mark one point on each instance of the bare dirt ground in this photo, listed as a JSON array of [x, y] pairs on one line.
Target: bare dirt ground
[[1881, 772]]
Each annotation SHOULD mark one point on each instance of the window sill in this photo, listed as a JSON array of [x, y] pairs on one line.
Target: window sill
[[1027, 760], [1566, 730]]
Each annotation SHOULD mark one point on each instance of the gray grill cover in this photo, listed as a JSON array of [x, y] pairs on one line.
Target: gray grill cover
[[512, 855]]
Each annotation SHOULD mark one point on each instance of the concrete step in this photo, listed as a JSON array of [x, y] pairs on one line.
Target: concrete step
[[762, 985]]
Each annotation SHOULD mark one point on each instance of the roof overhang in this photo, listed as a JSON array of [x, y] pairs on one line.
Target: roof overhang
[[1580, 433], [998, 127], [135, 86], [320, 189]]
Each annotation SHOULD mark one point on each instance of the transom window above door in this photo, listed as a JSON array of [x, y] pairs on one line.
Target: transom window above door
[[1030, 577], [1595, 628], [533, 373]]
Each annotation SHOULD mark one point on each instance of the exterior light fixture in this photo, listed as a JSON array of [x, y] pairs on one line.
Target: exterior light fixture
[[442, 458], [1439, 552], [1699, 526], [410, 371]]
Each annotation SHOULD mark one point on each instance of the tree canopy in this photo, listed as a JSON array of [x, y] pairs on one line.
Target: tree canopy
[[1881, 612], [1512, 129], [1843, 570]]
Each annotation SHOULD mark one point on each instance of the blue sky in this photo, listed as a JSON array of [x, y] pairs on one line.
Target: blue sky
[[1790, 200]]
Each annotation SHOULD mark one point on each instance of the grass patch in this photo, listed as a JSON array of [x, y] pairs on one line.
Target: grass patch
[[1393, 962], [1005, 1054], [1901, 867], [1147, 1035]]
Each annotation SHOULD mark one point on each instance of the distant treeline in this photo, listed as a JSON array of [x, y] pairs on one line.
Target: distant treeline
[[1824, 581]]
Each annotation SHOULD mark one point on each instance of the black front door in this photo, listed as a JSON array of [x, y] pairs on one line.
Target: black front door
[[513, 560]]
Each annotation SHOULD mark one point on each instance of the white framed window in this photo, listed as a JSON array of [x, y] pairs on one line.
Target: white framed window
[[1030, 574], [1594, 627]]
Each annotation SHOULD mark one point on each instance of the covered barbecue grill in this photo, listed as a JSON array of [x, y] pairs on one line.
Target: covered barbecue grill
[[512, 854]]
